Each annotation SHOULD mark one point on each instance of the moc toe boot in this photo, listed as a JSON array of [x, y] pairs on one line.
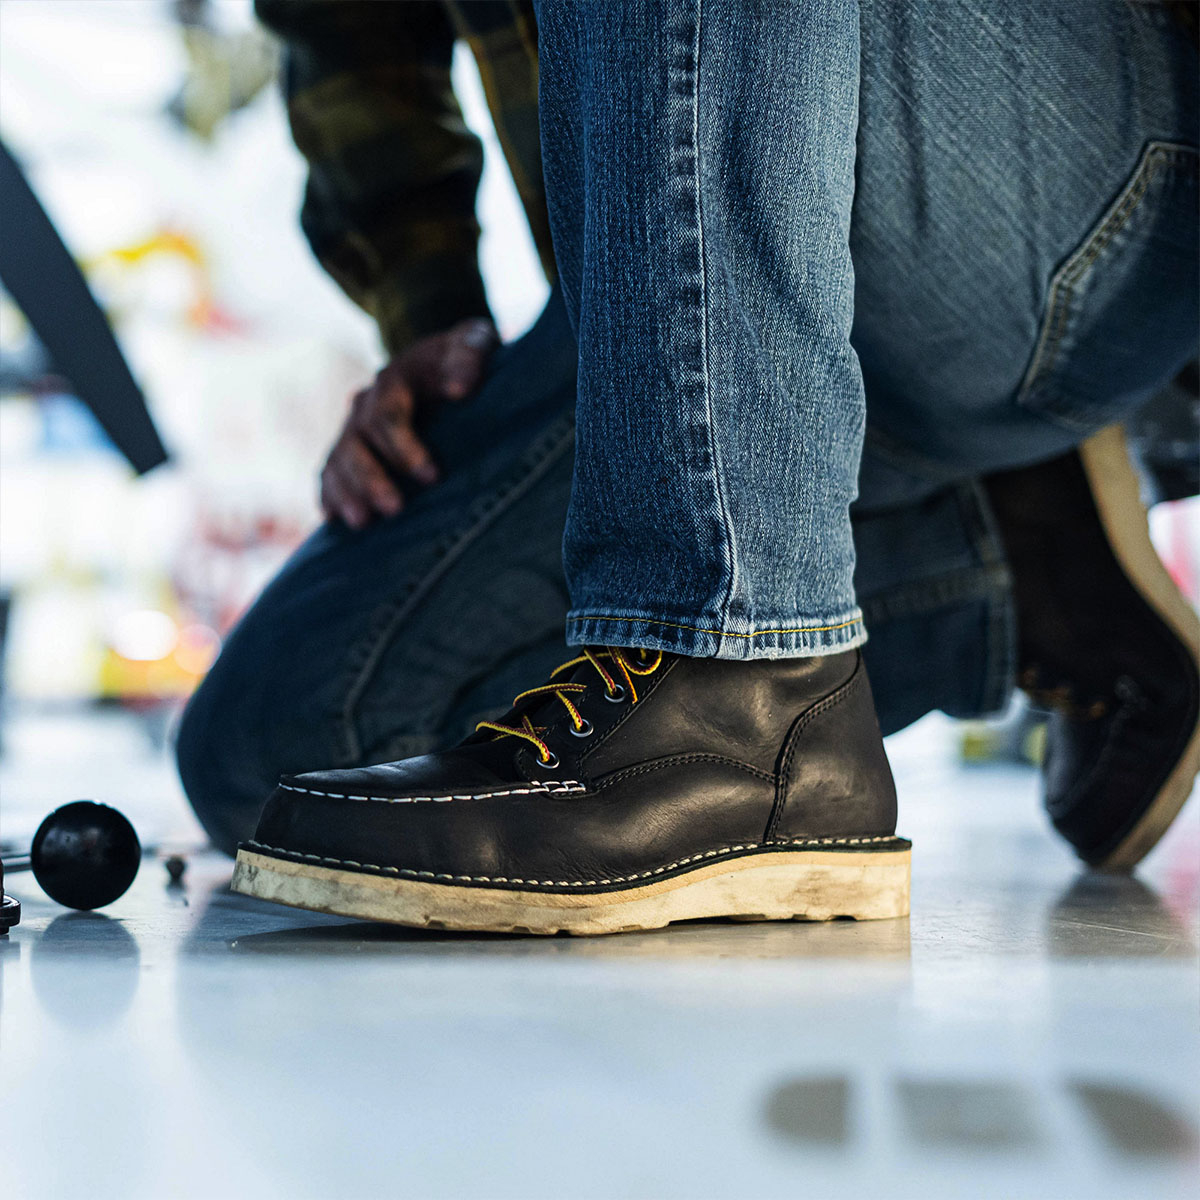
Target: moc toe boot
[[630, 791], [1108, 644]]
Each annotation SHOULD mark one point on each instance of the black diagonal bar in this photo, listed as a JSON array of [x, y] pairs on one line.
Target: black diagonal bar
[[43, 279]]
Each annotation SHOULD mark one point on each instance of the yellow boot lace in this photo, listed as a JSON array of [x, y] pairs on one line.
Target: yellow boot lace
[[628, 669]]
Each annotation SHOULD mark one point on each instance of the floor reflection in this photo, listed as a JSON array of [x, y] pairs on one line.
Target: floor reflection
[[970, 1114], [866, 940], [984, 1116], [1136, 1123], [811, 1112], [1115, 916], [10, 961], [84, 968]]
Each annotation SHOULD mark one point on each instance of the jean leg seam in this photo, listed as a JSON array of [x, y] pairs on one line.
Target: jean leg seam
[[534, 465], [728, 549]]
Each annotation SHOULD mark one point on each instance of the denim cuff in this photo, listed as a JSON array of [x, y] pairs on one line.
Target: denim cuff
[[703, 640]]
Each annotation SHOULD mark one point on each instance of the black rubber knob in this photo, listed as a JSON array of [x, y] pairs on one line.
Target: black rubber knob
[[85, 855]]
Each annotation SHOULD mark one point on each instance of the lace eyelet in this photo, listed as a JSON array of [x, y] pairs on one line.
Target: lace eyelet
[[548, 763], [616, 695], [584, 730]]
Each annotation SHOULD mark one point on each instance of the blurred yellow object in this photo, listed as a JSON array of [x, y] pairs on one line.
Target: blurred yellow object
[[202, 309], [150, 658], [977, 743], [1035, 745], [1017, 737]]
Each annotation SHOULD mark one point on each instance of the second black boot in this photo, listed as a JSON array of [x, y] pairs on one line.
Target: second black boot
[[630, 791], [1107, 643]]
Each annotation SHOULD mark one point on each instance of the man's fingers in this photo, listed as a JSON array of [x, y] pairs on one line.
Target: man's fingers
[[379, 440], [392, 438], [357, 485], [397, 443], [467, 348], [478, 333], [382, 416], [369, 477], [392, 392], [338, 501], [461, 370]]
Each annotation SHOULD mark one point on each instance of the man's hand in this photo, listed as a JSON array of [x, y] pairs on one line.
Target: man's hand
[[378, 443]]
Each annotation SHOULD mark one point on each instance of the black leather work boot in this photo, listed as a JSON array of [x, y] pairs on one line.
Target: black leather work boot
[[1107, 643], [633, 790]]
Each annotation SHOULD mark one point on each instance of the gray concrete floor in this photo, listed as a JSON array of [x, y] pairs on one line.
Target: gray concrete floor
[[1030, 1031]]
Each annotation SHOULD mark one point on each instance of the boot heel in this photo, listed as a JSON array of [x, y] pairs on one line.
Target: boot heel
[[866, 886]]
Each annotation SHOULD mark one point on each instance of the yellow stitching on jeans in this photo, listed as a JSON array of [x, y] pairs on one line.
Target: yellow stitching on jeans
[[721, 633]]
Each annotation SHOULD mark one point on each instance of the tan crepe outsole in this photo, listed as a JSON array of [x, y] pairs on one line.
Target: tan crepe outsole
[[816, 885], [1119, 503]]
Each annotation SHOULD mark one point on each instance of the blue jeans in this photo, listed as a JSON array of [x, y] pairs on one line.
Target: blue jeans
[[759, 208], [1022, 237]]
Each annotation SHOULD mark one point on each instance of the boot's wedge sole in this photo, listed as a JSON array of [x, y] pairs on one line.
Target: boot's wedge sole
[[1115, 492], [814, 885]]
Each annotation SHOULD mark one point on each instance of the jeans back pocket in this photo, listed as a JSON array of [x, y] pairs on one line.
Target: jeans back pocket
[[1121, 311]]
